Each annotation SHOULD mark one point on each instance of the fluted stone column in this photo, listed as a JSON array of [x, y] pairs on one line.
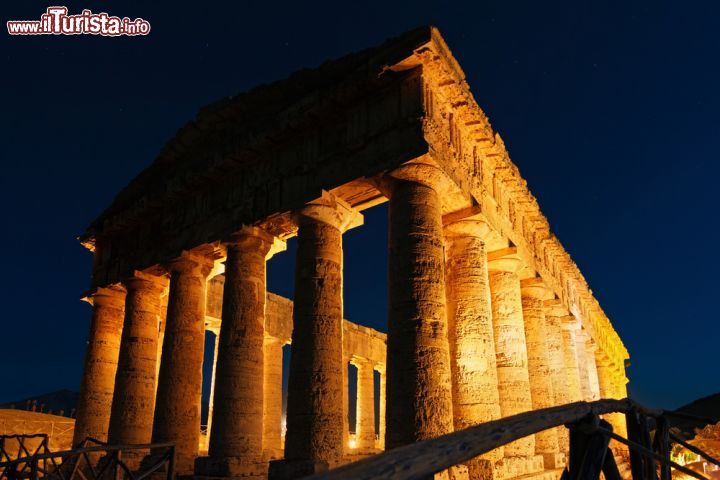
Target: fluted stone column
[[470, 331], [314, 439], [177, 409], [101, 360], [609, 384], [510, 344], [236, 442], [557, 371], [594, 386], [582, 358], [272, 407], [131, 419], [572, 372], [365, 429], [534, 294], [419, 390]]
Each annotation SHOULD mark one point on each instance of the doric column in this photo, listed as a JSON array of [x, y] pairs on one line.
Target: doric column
[[594, 386], [569, 327], [611, 387], [101, 360], [534, 294], [177, 409], [131, 419], [272, 407], [381, 411], [510, 345], [236, 443], [314, 439], [556, 364], [419, 390], [583, 360], [470, 332], [365, 429]]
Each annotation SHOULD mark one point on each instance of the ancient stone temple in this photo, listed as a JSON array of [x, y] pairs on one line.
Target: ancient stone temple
[[487, 317]]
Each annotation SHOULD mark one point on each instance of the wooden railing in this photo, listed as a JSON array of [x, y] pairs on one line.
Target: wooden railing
[[92, 460], [590, 454], [589, 440], [16, 446]]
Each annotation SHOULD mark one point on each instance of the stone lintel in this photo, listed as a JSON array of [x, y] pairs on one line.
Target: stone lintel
[[331, 210]]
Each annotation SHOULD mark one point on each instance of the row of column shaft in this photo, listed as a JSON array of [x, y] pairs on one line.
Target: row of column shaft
[[467, 343]]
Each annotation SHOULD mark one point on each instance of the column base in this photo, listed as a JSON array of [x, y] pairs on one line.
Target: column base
[[230, 467], [292, 469]]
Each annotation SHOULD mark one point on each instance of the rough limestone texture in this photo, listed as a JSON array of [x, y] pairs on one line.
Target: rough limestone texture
[[572, 372], [611, 386], [470, 332], [177, 412], [558, 374], [541, 385], [101, 359], [510, 346], [583, 365], [419, 391], [365, 428], [236, 442], [315, 386], [131, 418], [593, 381]]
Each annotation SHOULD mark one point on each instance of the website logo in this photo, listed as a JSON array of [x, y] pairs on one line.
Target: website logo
[[56, 21]]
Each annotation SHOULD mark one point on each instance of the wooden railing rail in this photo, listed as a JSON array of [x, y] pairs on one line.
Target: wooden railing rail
[[589, 439]]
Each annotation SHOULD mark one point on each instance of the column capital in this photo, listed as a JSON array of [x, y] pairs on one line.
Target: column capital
[[193, 263], [145, 280], [331, 210], [423, 171], [468, 227], [536, 288], [257, 239], [505, 260], [110, 296]]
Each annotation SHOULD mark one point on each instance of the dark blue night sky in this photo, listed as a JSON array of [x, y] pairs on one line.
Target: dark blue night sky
[[611, 110]]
